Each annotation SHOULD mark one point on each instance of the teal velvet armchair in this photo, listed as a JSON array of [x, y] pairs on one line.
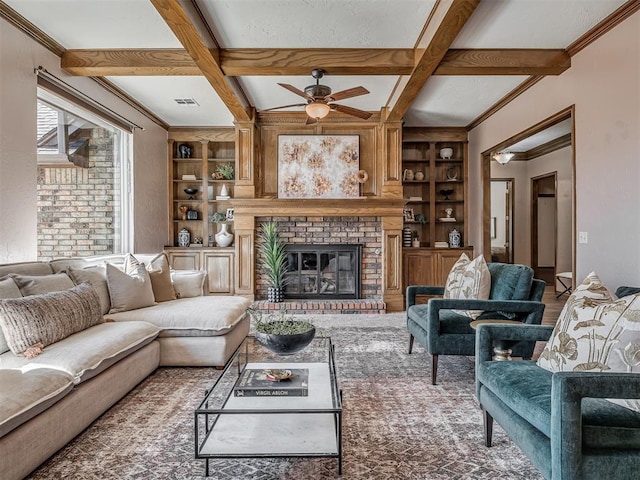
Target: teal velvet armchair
[[561, 420], [515, 295]]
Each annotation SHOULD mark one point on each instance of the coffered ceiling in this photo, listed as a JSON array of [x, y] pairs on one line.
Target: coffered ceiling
[[427, 62]]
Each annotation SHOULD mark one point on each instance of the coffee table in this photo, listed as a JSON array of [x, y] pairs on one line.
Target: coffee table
[[231, 426]]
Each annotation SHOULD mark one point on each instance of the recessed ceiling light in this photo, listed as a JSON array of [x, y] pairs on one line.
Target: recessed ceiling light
[[186, 102]]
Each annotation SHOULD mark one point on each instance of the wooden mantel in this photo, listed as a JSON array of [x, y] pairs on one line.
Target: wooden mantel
[[389, 210], [359, 207]]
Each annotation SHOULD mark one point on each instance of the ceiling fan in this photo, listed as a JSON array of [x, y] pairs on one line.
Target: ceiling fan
[[319, 99]]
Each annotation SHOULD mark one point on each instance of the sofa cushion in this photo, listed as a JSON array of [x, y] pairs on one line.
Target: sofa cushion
[[97, 277], [26, 268], [26, 393], [8, 289], [596, 332], [209, 315], [85, 354], [469, 280], [605, 425], [130, 289], [38, 284], [47, 318], [188, 283]]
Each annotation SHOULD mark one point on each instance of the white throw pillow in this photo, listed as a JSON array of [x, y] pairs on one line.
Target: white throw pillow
[[130, 289], [97, 277], [188, 283], [596, 333], [470, 280]]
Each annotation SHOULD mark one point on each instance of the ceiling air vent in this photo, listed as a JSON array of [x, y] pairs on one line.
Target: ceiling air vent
[[186, 102]]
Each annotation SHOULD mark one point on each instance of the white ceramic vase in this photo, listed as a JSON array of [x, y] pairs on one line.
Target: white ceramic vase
[[223, 237], [224, 192]]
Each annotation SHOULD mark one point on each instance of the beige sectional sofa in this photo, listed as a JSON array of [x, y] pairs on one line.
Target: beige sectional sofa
[[48, 399]]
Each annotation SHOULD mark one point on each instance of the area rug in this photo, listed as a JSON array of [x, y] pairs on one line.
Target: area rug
[[396, 424]]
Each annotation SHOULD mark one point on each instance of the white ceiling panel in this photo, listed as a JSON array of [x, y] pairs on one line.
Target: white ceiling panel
[[457, 101], [266, 93], [158, 94], [532, 23], [316, 23], [98, 23]]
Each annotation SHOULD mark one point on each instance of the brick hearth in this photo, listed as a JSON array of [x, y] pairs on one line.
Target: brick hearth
[[323, 306]]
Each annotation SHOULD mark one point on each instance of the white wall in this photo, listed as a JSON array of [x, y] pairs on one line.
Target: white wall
[[19, 55], [604, 85]]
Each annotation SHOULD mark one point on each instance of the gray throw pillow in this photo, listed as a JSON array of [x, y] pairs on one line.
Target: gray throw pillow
[[40, 320]]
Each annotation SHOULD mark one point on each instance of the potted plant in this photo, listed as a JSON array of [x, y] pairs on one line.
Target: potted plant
[[282, 334], [225, 171], [273, 259]]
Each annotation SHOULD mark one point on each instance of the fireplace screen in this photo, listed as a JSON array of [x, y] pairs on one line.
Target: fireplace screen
[[323, 271]]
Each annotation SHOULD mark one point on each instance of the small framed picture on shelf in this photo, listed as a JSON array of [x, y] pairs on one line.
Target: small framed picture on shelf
[[229, 214], [408, 215]]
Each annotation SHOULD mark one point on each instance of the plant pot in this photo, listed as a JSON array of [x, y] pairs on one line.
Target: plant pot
[[285, 344], [275, 294]]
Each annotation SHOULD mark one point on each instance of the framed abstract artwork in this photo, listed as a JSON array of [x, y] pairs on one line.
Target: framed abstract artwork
[[318, 166]]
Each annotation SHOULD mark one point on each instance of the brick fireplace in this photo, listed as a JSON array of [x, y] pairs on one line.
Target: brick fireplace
[[373, 224]]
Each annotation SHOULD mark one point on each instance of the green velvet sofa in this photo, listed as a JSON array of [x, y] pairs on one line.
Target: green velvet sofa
[[514, 295], [561, 420]]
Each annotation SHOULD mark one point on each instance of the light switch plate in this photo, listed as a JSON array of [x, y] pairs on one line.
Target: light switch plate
[[583, 237]]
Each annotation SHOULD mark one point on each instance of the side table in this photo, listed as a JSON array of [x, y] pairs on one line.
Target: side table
[[501, 348]]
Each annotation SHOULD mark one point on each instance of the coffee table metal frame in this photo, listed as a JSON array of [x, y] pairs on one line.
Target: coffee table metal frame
[[232, 427]]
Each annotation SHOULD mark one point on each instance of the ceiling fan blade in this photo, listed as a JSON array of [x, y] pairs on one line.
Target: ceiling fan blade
[[350, 92], [351, 111], [311, 121], [283, 106], [295, 90]]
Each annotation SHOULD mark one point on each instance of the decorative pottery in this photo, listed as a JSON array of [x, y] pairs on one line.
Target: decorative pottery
[[224, 192], [446, 192], [191, 192], [452, 173], [184, 238], [184, 150], [416, 243], [275, 294], [183, 210], [454, 239], [407, 174], [418, 176], [285, 344], [446, 153], [192, 215], [407, 235], [223, 237]]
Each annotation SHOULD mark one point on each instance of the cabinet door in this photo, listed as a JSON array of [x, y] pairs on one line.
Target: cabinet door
[[445, 260], [184, 260], [219, 267], [419, 268]]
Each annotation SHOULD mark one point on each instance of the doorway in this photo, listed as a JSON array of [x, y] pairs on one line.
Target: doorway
[[544, 226], [502, 220]]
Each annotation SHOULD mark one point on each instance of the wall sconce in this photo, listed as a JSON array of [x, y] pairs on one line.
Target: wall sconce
[[503, 157]]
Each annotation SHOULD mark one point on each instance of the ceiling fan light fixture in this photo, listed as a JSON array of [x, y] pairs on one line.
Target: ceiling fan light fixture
[[503, 157], [317, 110]]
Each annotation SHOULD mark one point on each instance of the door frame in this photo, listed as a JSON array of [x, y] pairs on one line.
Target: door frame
[[509, 217], [535, 181], [485, 173]]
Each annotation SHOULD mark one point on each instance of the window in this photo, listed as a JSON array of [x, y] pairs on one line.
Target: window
[[84, 179]]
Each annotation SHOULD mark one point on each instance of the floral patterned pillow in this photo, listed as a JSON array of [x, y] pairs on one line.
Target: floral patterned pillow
[[469, 279], [596, 333]]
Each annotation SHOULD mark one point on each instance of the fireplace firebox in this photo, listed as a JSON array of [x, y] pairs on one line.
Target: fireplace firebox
[[329, 271]]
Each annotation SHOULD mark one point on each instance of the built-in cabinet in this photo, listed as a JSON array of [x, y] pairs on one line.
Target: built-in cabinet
[[195, 156], [434, 181], [218, 263]]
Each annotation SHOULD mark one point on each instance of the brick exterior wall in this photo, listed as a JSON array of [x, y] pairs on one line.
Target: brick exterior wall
[[78, 207], [366, 231]]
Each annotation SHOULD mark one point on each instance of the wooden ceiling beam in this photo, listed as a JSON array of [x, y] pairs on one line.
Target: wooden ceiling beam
[[129, 62], [504, 62], [205, 58], [455, 15], [342, 61]]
